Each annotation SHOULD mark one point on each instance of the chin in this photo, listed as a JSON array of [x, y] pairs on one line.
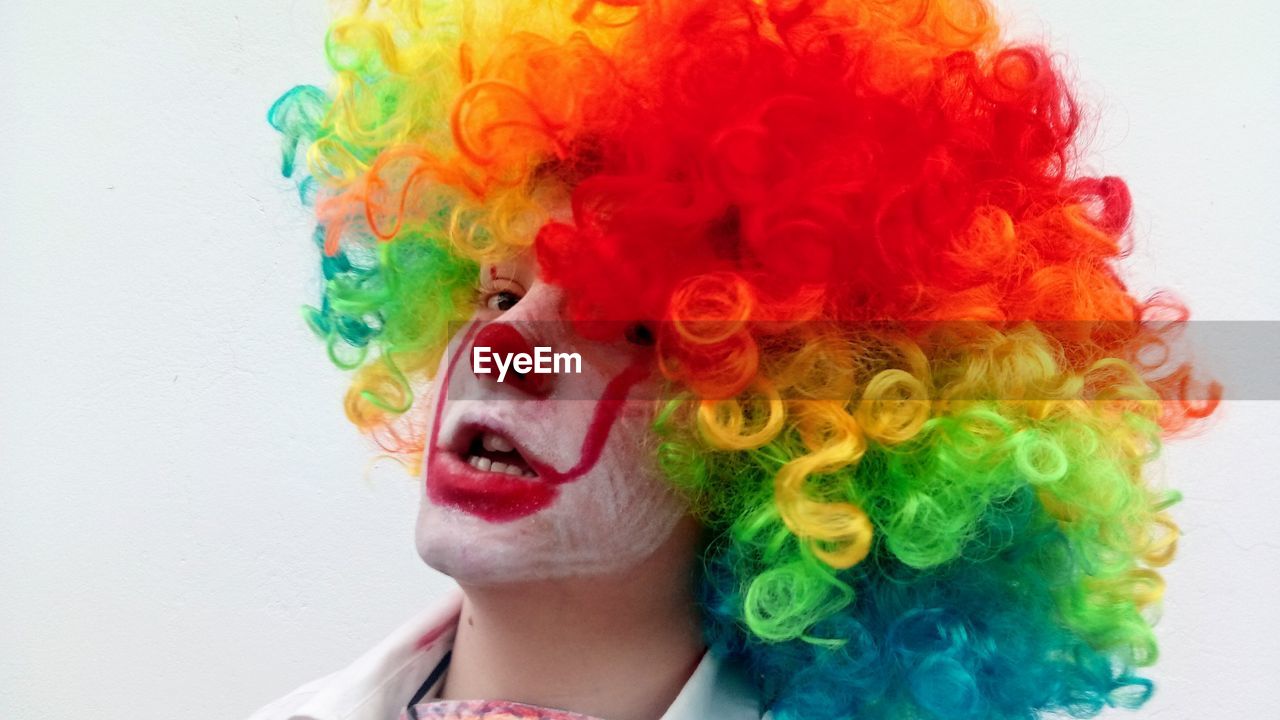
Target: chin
[[552, 544], [473, 551]]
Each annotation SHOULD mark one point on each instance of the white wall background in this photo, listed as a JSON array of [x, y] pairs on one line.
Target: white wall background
[[184, 526]]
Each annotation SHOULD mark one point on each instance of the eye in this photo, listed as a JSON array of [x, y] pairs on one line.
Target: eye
[[639, 334], [501, 300]]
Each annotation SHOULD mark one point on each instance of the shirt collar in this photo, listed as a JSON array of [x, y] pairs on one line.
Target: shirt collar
[[381, 682]]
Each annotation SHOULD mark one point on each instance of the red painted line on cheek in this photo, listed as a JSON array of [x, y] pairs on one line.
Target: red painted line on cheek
[[606, 415]]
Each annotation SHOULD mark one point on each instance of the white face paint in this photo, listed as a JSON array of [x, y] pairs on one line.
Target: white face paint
[[541, 479]]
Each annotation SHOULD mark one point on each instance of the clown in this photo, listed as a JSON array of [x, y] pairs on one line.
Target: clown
[[863, 404]]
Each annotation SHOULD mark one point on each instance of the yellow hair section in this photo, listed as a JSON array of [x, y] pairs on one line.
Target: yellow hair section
[[724, 423], [837, 532]]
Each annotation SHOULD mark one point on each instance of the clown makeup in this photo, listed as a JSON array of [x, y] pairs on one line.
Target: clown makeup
[[541, 476]]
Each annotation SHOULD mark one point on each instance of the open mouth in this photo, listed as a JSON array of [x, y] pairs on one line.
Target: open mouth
[[492, 452], [483, 472]]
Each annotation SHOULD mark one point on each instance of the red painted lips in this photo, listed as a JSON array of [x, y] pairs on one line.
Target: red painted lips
[[496, 497]]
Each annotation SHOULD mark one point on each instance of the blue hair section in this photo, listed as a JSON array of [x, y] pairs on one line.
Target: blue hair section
[[969, 640]]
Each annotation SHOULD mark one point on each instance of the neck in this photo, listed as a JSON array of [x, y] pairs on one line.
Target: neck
[[618, 647]]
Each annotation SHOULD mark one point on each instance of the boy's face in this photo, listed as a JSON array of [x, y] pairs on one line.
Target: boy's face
[[546, 475]]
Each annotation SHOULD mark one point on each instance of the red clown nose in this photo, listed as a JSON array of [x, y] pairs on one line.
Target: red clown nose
[[503, 340]]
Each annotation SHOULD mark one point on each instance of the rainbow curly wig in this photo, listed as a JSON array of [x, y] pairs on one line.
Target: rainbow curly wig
[[910, 396]]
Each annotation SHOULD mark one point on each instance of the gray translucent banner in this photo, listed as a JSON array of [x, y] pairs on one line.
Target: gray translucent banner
[[1188, 360]]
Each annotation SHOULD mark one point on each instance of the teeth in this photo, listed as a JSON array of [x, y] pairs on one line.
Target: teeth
[[496, 443], [486, 465]]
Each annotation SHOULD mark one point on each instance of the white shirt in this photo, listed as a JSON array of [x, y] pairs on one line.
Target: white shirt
[[382, 682]]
